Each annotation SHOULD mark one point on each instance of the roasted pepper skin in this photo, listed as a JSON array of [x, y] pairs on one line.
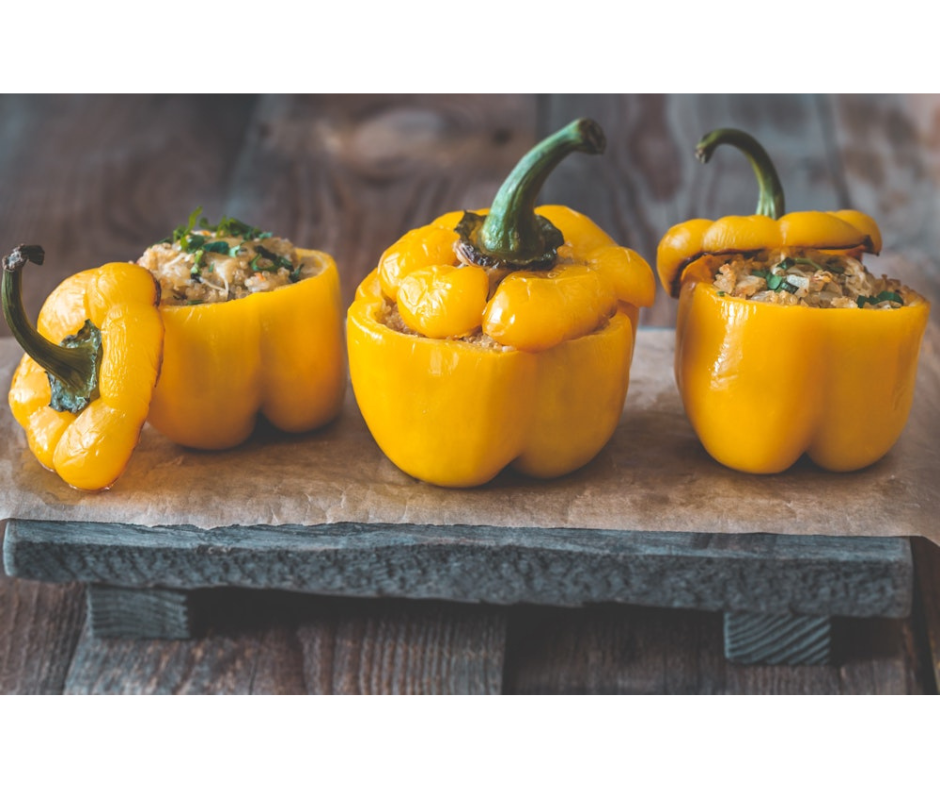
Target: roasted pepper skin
[[761, 383], [89, 450], [522, 322], [278, 354], [455, 414]]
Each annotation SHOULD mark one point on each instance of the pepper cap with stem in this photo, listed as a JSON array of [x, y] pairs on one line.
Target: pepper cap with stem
[[512, 235], [769, 228], [73, 365], [88, 444]]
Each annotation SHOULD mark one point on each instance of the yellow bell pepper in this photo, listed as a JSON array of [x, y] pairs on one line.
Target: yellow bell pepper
[[82, 391], [276, 353], [515, 337], [764, 383]]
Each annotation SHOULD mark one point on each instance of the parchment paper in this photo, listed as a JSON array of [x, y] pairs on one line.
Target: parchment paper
[[652, 476]]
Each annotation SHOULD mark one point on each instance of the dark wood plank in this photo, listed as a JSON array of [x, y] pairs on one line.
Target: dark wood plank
[[116, 612], [561, 566], [351, 174], [276, 643], [611, 649], [99, 178], [762, 639], [39, 628], [927, 571]]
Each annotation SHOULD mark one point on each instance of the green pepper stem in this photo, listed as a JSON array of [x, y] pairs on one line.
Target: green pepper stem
[[770, 199], [512, 231], [75, 368]]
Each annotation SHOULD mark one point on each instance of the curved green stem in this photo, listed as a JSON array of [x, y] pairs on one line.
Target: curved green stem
[[512, 233], [72, 365], [770, 200]]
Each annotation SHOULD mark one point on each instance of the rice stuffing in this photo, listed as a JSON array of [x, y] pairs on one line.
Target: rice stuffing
[[807, 277], [231, 260]]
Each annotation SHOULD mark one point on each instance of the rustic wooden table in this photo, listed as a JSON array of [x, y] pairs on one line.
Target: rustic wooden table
[[101, 177]]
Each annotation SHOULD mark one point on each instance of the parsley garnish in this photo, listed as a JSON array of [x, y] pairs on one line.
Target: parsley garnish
[[228, 226], [198, 263], [884, 295], [775, 282], [185, 229]]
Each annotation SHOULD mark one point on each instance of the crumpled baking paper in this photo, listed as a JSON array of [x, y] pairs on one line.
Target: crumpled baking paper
[[652, 476]]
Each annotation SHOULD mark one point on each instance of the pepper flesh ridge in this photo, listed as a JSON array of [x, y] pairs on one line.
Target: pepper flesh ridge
[[530, 310], [763, 383], [90, 450], [278, 354], [455, 413]]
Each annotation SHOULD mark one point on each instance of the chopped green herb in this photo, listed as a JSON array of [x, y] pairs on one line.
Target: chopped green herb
[[786, 263], [722, 293], [887, 295], [218, 247], [760, 272], [235, 250], [267, 254], [186, 229], [194, 302], [774, 281], [884, 295], [229, 227], [788, 286], [189, 243], [254, 264], [196, 270]]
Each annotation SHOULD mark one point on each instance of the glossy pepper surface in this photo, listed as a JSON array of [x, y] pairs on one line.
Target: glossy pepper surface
[[764, 383], [278, 354], [516, 336], [83, 390]]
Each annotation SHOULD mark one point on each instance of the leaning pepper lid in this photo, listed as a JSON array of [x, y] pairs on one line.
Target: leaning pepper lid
[[83, 390], [768, 228]]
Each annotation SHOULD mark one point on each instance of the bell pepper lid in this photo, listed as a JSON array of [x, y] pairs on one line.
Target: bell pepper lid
[[768, 228], [101, 376]]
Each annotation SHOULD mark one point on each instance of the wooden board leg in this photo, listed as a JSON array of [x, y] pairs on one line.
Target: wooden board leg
[[140, 612], [759, 638]]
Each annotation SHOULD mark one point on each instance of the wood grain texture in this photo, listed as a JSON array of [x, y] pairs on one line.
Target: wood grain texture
[[887, 148], [559, 566], [277, 643], [115, 612], [351, 174], [95, 179], [630, 650], [39, 628], [761, 639]]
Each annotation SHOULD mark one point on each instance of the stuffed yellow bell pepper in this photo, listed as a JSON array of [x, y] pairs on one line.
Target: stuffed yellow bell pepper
[[785, 343], [83, 390], [499, 338], [253, 327]]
